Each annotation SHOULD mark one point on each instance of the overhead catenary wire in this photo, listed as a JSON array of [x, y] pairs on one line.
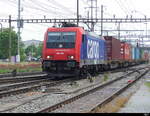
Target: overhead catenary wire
[[32, 6], [132, 9], [40, 7], [50, 8], [63, 7], [43, 8]]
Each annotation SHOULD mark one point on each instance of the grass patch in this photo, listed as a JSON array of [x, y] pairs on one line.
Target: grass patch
[[3, 71], [147, 84], [105, 78], [21, 67], [113, 106], [30, 70], [91, 79]]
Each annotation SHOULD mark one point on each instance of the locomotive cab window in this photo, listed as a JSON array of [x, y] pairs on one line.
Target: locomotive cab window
[[54, 37], [61, 40]]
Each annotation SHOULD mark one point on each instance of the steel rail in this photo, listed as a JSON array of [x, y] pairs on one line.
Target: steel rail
[[20, 74], [27, 83], [22, 79], [30, 88]]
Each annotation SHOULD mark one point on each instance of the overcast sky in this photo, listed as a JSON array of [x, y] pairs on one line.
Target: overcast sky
[[67, 9]]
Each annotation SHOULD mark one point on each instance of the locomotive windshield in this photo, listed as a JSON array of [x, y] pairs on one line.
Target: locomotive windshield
[[61, 40]]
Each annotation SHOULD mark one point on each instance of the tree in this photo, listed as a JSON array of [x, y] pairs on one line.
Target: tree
[[34, 51], [31, 50], [4, 44], [22, 52], [39, 50]]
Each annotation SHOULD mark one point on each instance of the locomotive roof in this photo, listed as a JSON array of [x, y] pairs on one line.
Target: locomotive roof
[[93, 34]]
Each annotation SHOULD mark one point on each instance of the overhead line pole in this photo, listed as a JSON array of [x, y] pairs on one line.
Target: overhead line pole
[[96, 9], [93, 17], [92, 27], [119, 31], [9, 38], [18, 24], [77, 12], [101, 20], [1, 27], [1, 30]]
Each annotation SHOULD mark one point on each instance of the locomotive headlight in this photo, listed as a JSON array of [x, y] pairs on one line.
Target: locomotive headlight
[[49, 57], [71, 57]]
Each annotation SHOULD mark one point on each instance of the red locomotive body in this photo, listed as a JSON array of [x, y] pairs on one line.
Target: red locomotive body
[[63, 52], [60, 52]]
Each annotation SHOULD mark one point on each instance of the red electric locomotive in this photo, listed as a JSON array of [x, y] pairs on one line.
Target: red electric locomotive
[[60, 53], [72, 51]]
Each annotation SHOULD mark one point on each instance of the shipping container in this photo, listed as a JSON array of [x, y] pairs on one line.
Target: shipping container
[[141, 53], [126, 51], [136, 53], [113, 47], [131, 47], [93, 50], [146, 56], [133, 53]]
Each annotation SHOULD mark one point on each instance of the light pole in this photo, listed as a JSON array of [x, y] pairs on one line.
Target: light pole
[[145, 32], [1, 29], [144, 23], [102, 19], [77, 12], [146, 29], [18, 24]]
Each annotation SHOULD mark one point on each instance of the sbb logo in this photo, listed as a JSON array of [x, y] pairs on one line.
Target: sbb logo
[[92, 49]]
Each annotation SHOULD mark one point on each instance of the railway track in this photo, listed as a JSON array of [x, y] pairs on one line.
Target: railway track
[[34, 83], [30, 89], [20, 74], [22, 84], [12, 86], [25, 83], [22, 78], [106, 99]]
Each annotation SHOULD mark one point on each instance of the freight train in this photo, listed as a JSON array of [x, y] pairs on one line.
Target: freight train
[[72, 51]]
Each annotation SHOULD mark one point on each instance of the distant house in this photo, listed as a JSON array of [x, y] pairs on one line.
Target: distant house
[[31, 42]]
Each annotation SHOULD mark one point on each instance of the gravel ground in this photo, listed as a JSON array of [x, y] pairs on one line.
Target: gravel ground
[[116, 104], [139, 102], [50, 97], [86, 103]]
